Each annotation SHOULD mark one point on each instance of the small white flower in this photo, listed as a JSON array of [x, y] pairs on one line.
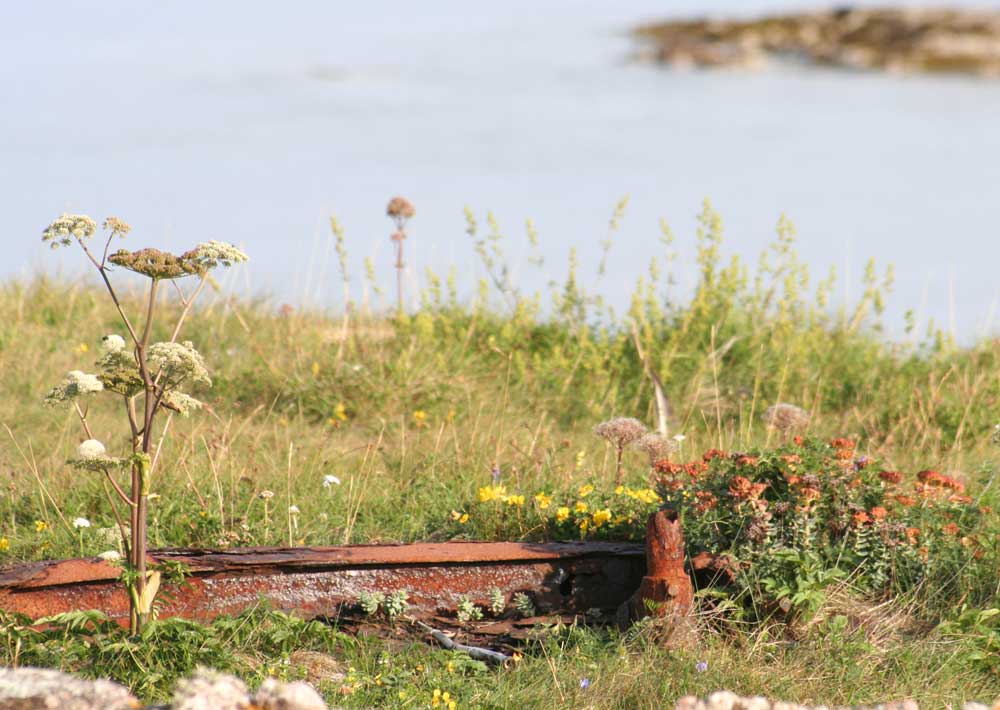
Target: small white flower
[[110, 555], [81, 523], [679, 438], [293, 509], [211, 254], [112, 343], [76, 384], [91, 449], [266, 495], [329, 480]]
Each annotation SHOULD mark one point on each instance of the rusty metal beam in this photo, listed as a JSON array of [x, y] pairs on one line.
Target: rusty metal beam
[[319, 581]]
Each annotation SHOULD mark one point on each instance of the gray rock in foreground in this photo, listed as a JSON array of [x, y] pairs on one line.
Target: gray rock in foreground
[[45, 689]]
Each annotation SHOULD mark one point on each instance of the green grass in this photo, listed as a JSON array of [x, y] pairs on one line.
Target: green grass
[[413, 412]]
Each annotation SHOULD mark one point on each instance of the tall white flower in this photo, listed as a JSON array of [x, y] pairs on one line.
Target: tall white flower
[[329, 480], [110, 555], [266, 495], [81, 523], [293, 510], [91, 449]]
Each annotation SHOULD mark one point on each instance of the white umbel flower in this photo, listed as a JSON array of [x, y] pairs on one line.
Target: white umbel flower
[[81, 522], [266, 495], [210, 254], [61, 231], [110, 555], [76, 384], [91, 449], [178, 362], [329, 480], [112, 343], [293, 510]]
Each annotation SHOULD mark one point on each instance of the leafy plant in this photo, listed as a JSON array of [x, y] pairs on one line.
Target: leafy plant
[[524, 606], [497, 602], [396, 604], [146, 376], [467, 610], [979, 630], [371, 602]]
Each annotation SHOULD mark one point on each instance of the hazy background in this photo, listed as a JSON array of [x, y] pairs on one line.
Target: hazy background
[[252, 122]]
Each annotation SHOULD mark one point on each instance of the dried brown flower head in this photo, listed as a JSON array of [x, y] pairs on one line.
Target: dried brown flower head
[[786, 417], [620, 431], [656, 447], [154, 263], [400, 208]]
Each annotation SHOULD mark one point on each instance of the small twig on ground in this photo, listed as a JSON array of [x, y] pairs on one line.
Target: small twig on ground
[[479, 654]]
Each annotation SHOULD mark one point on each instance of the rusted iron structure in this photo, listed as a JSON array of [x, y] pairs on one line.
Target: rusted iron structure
[[320, 581], [666, 583]]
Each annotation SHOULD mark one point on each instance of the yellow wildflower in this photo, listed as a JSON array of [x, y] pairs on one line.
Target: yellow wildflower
[[562, 514], [41, 526], [580, 507], [645, 495], [451, 669], [585, 490], [436, 698], [619, 490], [340, 412], [82, 349], [420, 418], [514, 500], [584, 525], [601, 517], [4, 544], [488, 493], [580, 456], [402, 695], [460, 518], [315, 369], [543, 501]]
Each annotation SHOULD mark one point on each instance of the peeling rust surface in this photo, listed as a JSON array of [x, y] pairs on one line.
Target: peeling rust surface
[[666, 583], [319, 581]]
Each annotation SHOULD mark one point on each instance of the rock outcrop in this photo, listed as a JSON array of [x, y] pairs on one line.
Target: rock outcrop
[[962, 41]]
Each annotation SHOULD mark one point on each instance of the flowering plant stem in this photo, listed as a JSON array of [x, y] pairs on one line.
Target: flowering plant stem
[[154, 372]]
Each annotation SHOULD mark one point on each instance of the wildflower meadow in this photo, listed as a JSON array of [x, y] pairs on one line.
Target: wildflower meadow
[[837, 485]]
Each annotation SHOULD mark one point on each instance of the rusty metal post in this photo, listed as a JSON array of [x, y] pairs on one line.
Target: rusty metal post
[[666, 590]]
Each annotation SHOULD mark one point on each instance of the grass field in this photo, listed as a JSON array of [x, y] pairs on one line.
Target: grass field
[[380, 426]]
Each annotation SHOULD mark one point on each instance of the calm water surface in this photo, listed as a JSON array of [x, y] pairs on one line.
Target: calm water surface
[[252, 122]]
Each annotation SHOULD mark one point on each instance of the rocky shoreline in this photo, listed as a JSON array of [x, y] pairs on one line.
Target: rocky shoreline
[[904, 40]]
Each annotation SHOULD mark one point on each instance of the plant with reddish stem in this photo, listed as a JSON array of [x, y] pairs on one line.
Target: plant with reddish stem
[[147, 376]]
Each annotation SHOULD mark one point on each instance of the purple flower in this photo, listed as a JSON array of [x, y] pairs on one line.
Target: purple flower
[[584, 683], [701, 666], [495, 472]]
